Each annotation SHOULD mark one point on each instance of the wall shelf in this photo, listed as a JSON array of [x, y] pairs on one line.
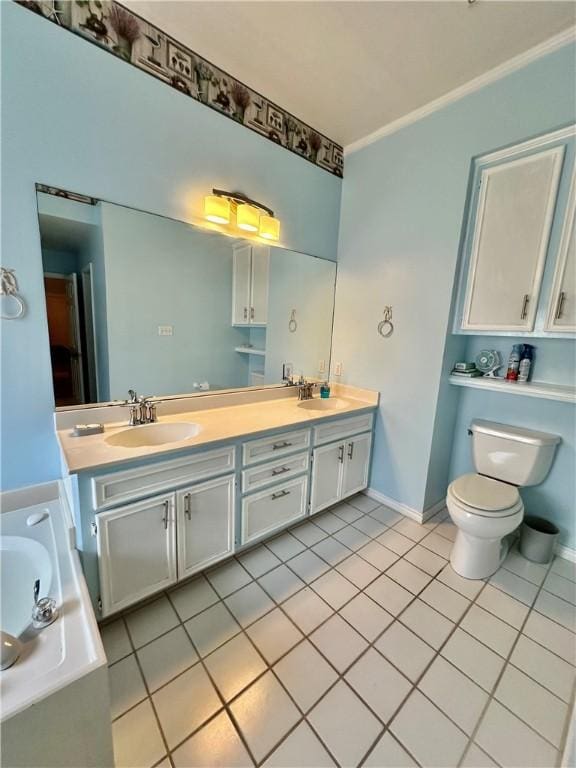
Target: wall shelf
[[565, 393], [250, 351]]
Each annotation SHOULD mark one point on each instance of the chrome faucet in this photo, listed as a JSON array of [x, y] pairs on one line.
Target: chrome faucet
[[305, 389], [142, 409]]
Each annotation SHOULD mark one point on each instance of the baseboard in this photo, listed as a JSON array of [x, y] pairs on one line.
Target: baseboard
[[404, 509], [566, 552]]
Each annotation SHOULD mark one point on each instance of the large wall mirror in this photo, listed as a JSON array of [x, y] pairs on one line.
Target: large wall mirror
[[139, 301]]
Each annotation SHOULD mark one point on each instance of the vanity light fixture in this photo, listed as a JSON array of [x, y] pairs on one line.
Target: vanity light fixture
[[250, 216]]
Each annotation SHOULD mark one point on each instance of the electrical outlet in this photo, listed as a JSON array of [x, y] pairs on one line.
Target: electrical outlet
[[165, 330], [338, 369], [322, 366]]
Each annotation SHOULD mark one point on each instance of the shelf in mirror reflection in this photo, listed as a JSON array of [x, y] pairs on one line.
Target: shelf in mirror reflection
[[251, 351]]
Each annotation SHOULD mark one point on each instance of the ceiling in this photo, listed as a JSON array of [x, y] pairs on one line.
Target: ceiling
[[350, 68]]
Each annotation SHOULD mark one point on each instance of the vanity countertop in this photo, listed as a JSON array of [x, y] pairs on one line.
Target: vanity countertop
[[215, 425]]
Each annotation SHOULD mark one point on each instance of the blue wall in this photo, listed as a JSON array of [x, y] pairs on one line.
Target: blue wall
[[75, 117], [401, 219]]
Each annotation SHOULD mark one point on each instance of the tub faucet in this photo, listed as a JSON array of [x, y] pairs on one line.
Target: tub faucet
[[44, 611]]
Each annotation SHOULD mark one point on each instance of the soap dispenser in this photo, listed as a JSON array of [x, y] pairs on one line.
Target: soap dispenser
[[325, 390]]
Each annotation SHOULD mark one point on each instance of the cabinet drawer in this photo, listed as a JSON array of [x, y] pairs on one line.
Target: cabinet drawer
[[118, 487], [334, 430], [264, 512], [278, 445], [274, 471]]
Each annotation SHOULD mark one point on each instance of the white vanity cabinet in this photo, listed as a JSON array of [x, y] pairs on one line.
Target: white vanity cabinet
[[340, 469], [250, 285]]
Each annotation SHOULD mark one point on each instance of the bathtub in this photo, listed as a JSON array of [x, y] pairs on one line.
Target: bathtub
[[61, 675]]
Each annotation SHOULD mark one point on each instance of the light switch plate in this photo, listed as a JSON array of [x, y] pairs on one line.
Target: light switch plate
[[322, 366], [165, 330], [338, 369]]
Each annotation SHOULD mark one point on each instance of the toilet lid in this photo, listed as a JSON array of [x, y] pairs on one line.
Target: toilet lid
[[485, 493]]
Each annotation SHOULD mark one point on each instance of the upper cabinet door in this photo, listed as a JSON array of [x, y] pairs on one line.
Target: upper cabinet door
[[561, 316], [241, 285], [259, 286], [512, 227]]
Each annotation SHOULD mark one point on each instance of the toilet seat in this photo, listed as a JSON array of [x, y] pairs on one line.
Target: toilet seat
[[484, 496]]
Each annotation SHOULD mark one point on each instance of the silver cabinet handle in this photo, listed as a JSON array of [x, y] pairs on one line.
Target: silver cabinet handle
[[283, 444], [251, 313], [524, 313], [560, 305], [341, 454], [187, 510], [166, 506], [279, 495], [350, 450], [245, 313], [280, 471]]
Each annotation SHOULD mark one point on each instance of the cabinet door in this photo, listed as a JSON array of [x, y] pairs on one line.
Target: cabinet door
[[326, 476], [241, 285], [513, 219], [356, 464], [205, 515], [562, 309], [260, 270], [267, 511], [136, 551]]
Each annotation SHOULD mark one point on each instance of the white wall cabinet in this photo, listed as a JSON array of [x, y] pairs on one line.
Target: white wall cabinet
[[339, 470], [511, 230], [250, 285], [561, 315]]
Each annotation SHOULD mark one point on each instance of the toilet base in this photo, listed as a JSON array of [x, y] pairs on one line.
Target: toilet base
[[475, 558]]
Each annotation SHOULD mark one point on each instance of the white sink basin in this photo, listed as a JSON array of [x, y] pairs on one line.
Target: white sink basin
[[153, 434], [323, 404]]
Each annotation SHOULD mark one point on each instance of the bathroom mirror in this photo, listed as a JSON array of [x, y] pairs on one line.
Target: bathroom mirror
[[139, 301]]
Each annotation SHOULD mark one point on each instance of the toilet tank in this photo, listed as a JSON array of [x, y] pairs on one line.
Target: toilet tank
[[512, 454]]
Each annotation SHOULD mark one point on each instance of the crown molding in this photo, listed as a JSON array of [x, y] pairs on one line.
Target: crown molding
[[492, 76]]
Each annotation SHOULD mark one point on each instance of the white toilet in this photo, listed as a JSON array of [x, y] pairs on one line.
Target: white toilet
[[486, 507]]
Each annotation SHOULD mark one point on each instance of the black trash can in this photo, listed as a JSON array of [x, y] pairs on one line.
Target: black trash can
[[538, 539]]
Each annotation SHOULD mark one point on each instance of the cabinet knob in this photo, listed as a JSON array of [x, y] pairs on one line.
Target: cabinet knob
[[525, 302]]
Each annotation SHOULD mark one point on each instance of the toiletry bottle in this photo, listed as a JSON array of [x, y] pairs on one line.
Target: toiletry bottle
[[514, 362], [325, 390], [525, 362]]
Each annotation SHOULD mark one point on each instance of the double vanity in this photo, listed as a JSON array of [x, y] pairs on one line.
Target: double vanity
[[155, 504]]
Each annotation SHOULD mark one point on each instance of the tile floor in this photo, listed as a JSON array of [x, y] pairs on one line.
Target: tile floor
[[348, 641]]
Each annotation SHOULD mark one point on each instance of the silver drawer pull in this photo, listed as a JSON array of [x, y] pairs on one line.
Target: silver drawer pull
[[280, 471], [187, 510], [350, 450], [279, 495], [166, 505], [341, 454], [283, 444], [560, 306], [524, 313]]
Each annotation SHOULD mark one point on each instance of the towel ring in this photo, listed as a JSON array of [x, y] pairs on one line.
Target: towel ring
[[9, 288], [292, 324], [386, 327]]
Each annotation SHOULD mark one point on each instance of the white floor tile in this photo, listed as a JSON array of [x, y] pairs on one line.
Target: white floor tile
[[216, 745], [338, 642], [539, 708], [405, 650], [411, 529], [274, 635], [428, 734], [347, 512], [366, 616], [447, 529], [502, 605], [558, 610], [166, 657], [516, 587], [445, 600], [308, 534], [552, 636], [510, 742], [352, 537], [115, 640], [259, 561], [234, 666], [305, 674], [564, 568], [126, 686], [519, 565], [334, 589], [281, 583], [389, 754], [363, 502], [301, 748], [393, 539], [307, 609], [377, 555], [228, 578], [370, 526], [285, 546], [331, 550], [467, 587], [477, 758], [561, 587], [185, 703], [425, 560], [427, 623], [438, 544], [494, 633], [358, 571], [212, 628], [408, 576], [193, 597], [378, 684], [386, 515], [545, 667], [329, 522], [249, 604], [478, 662], [308, 566], [345, 725], [453, 693], [264, 713], [151, 621], [137, 739], [390, 595]]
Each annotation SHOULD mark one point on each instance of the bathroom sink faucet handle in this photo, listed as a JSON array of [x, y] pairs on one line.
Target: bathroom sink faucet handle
[[132, 396]]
